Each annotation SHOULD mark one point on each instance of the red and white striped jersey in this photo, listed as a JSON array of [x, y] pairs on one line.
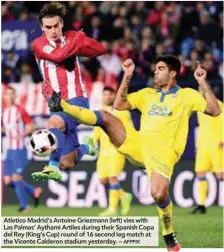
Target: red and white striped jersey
[[14, 120], [56, 75]]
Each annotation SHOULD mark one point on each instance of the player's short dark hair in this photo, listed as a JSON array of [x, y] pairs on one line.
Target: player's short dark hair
[[109, 89], [172, 62], [51, 10]]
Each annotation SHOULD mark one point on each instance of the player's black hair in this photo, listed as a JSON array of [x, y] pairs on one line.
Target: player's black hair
[[172, 62], [109, 89], [51, 10]]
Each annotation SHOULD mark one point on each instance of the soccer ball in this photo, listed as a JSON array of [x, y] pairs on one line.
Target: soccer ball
[[43, 142]]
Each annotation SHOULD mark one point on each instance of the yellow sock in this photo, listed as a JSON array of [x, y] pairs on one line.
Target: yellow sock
[[113, 199], [121, 193], [165, 216], [202, 187], [85, 116]]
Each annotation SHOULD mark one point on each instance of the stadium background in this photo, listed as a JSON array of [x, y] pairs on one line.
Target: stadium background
[[139, 30]]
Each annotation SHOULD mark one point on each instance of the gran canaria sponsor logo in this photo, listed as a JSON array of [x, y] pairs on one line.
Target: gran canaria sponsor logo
[[159, 111]]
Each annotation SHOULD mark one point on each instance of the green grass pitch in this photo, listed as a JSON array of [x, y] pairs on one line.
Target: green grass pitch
[[193, 231]]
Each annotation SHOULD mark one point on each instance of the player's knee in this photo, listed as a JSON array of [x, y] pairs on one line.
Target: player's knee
[[220, 176], [56, 122], [113, 181], [16, 177], [67, 165], [104, 181], [200, 174], [7, 180], [160, 196]]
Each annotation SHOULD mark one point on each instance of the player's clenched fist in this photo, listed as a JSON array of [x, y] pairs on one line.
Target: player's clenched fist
[[200, 73], [128, 66]]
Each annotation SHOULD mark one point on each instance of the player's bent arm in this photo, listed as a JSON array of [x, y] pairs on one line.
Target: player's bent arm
[[212, 107], [121, 102], [91, 48], [47, 52]]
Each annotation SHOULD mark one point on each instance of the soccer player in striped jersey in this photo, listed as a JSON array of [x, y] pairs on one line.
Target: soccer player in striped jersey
[[17, 124], [57, 54]]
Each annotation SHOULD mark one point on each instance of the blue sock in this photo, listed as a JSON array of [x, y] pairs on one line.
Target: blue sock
[[55, 159], [28, 188], [165, 204], [115, 187], [99, 118], [21, 194], [81, 151]]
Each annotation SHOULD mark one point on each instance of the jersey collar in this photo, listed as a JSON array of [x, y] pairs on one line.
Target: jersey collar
[[173, 90]]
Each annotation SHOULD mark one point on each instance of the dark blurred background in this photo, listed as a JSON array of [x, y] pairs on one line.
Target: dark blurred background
[[139, 30]]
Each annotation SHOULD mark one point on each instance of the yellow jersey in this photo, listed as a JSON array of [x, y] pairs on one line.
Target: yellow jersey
[[210, 129], [165, 116]]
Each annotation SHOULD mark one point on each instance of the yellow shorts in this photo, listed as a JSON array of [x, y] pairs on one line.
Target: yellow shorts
[[110, 164], [131, 148], [157, 157], [209, 160]]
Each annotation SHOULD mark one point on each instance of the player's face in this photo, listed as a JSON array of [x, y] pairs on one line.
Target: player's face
[[52, 27], [108, 98], [161, 74], [9, 97]]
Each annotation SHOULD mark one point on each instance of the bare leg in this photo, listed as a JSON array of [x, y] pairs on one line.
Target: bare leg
[[113, 127]]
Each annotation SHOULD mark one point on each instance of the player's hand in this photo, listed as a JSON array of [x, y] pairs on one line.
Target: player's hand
[[54, 102], [200, 73], [128, 66]]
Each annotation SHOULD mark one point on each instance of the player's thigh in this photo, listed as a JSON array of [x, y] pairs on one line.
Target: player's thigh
[[20, 162], [203, 162], [114, 128], [102, 167], [160, 161], [117, 164]]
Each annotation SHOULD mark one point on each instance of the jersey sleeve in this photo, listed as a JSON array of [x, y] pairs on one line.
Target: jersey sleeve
[[43, 50], [197, 102], [136, 99]]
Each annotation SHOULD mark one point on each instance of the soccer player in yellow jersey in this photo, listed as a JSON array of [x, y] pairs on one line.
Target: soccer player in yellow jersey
[[164, 127], [209, 153], [110, 162]]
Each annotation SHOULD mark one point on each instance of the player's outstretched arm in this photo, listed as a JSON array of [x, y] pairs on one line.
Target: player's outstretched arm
[[212, 107], [121, 102], [91, 48]]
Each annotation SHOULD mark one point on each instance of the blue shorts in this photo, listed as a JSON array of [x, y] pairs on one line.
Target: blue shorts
[[16, 162], [71, 124]]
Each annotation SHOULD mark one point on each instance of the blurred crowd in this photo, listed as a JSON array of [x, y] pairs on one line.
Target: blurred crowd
[[139, 30]]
